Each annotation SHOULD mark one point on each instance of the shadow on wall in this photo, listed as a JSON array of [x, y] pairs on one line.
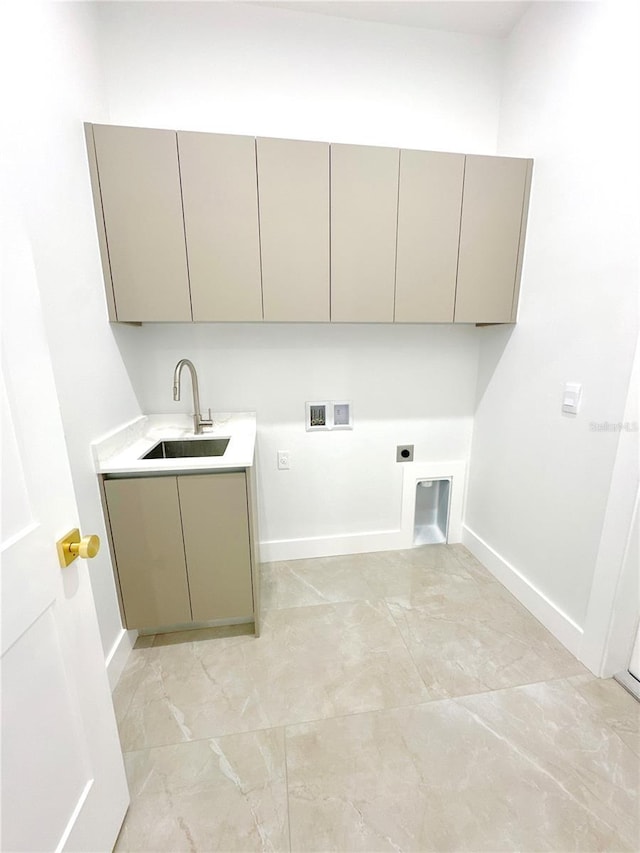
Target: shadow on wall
[[493, 344]]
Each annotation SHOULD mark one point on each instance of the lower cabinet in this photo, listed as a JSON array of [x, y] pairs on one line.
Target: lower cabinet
[[182, 548]]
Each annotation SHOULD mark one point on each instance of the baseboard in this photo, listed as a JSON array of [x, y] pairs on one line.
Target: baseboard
[[630, 684], [380, 540], [561, 626], [119, 654], [331, 546]]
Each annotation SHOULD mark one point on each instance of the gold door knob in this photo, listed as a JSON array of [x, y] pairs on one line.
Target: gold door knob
[[72, 546], [86, 548]]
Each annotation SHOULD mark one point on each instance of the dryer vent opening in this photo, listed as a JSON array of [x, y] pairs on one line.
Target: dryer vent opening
[[431, 524]]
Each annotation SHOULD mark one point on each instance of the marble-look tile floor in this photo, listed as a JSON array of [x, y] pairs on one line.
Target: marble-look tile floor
[[399, 701]]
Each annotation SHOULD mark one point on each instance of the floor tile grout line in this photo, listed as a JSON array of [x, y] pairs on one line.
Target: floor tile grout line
[[406, 645], [286, 781], [388, 708], [373, 598], [291, 724]]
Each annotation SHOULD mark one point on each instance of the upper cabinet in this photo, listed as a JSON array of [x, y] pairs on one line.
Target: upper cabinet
[[293, 183], [209, 227], [220, 199], [429, 208], [364, 213], [142, 228], [494, 213]]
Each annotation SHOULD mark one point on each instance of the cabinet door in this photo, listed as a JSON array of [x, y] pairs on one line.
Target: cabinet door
[[142, 208], [293, 182], [496, 194], [144, 517], [364, 207], [429, 206], [215, 526], [219, 190]]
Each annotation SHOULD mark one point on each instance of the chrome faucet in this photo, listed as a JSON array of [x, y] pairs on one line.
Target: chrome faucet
[[198, 421]]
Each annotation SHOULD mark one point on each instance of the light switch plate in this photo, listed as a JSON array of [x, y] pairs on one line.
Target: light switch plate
[[571, 395]]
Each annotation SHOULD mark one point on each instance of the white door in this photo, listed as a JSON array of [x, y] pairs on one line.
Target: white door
[[634, 664], [632, 561], [63, 782]]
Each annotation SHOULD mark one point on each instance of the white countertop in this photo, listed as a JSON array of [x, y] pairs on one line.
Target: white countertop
[[120, 451]]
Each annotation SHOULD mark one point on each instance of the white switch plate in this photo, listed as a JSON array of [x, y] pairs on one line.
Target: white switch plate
[[342, 415], [284, 460], [571, 396]]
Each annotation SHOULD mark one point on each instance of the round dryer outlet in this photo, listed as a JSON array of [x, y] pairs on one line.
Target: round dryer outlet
[[404, 453]]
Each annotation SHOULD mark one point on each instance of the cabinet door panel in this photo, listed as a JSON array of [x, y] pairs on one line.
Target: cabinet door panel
[[219, 188], [216, 540], [293, 181], [364, 207], [144, 516], [495, 196], [429, 207], [142, 208]]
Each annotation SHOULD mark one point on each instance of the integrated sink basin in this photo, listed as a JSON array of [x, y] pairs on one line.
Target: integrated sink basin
[[187, 448]]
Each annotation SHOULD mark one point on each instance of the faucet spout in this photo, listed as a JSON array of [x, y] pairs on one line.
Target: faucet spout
[[198, 421]]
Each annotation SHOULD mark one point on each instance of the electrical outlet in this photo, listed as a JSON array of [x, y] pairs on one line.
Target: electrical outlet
[[284, 460], [404, 453]]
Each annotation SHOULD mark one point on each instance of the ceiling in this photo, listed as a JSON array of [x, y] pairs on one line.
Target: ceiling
[[479, 17]]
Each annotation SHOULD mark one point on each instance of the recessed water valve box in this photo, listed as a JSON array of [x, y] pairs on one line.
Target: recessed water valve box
[[317, 416], [328, 415]]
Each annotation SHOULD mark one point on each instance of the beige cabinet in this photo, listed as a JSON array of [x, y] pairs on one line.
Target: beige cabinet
[[211, 227], [182, 548], [138, 200], [215, 525], [293, 182], [220, 200], [494, 212], [146, 533], [429, 208], [364, 210]]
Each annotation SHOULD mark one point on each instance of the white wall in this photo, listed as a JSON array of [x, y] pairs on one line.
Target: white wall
[[244, 69], [613, 615], [408, 385], [54, 87], [239, 68], [539, 480]]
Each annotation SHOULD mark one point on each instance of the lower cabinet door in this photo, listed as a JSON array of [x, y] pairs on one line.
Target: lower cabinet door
[[215, 526], [144, 516]]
